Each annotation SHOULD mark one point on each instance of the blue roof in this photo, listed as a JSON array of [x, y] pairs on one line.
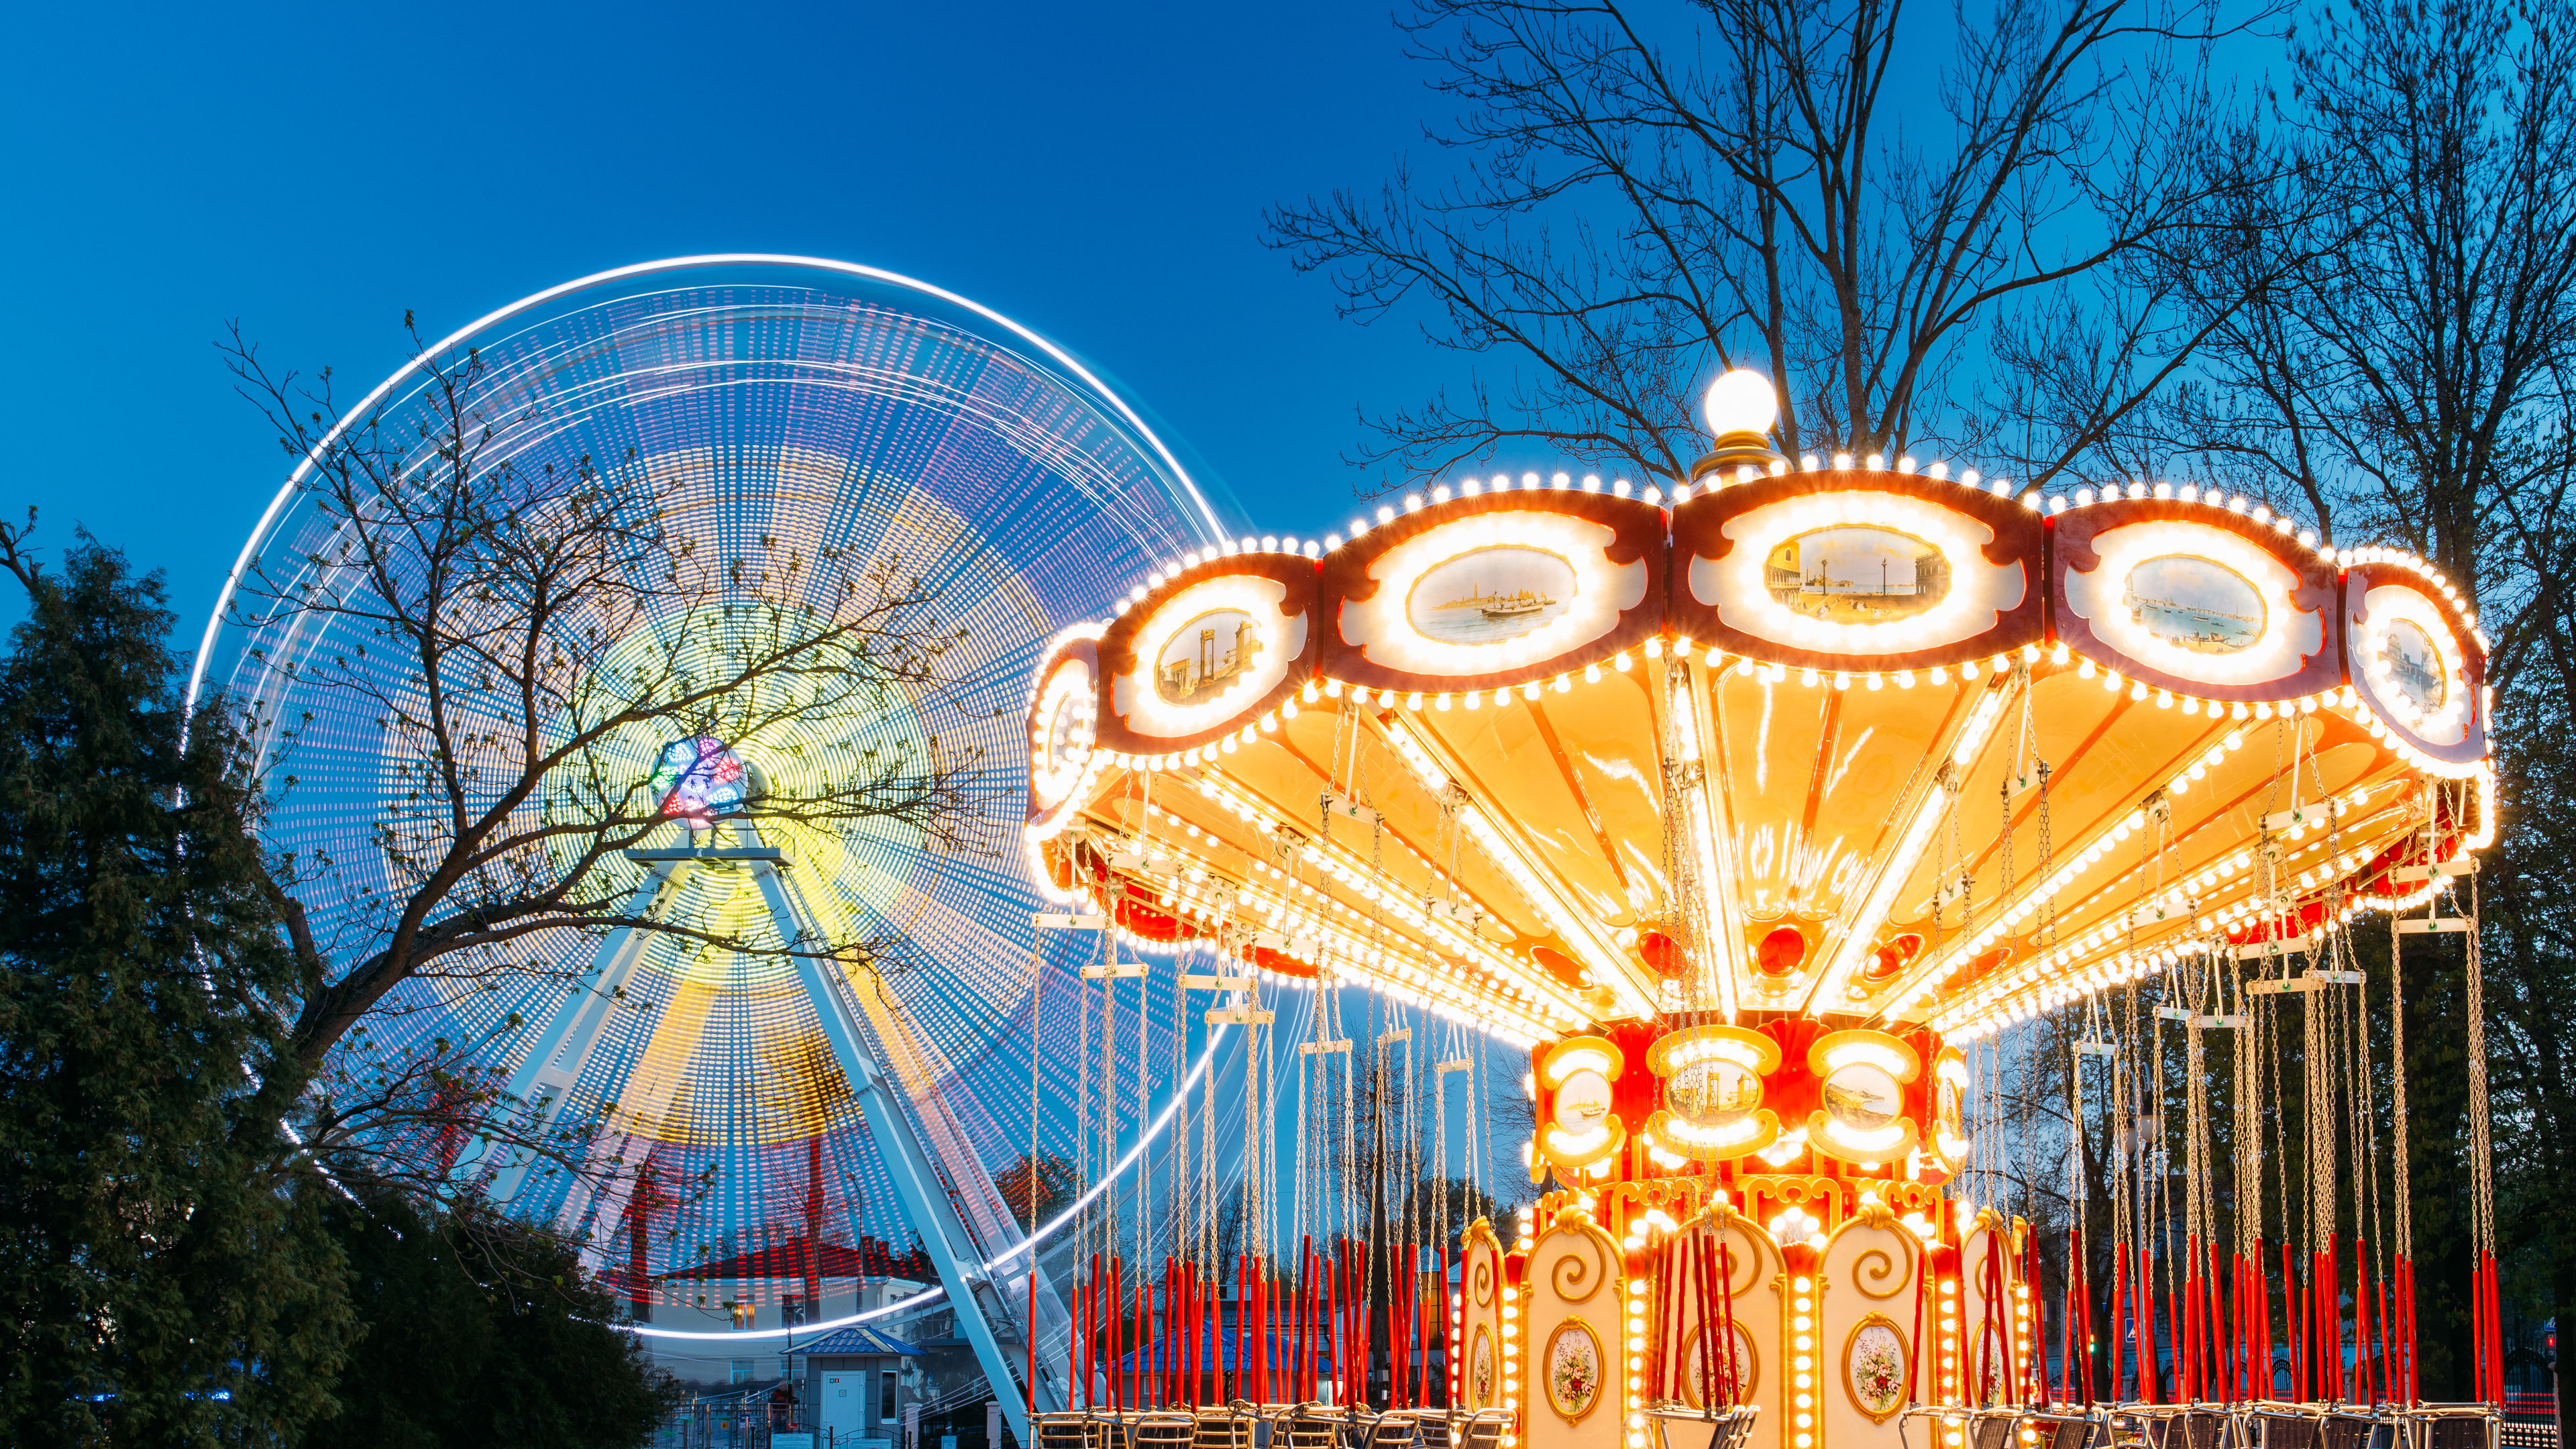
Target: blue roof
[[858, 1338]]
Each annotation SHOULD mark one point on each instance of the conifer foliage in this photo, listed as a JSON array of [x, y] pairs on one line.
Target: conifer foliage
[[165, 1276]]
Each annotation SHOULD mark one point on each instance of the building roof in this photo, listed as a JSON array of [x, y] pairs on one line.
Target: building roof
[[787, 1258], [858, 1339]]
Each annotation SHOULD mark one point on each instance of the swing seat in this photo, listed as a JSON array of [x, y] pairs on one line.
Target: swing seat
[[1483, 1429], [2185, 1426], [2451, 1426], [1071, 1429], [2070, 1430], [1314, 1426], [1936, 1418], [2352, 1431], [1395, 1429], [1223, 1429], [1162, 1429], [1991, 1428]]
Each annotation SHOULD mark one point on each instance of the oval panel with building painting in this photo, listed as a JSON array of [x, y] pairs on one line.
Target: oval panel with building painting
[[1490, 595], [1714, 1092], [1850, 574], [2411, 665], [1205, 655]]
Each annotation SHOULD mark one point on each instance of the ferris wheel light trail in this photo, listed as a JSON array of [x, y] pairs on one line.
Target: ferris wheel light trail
[[304, 467], [848, 413]]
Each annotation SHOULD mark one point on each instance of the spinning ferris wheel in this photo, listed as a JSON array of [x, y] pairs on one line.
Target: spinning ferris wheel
[[772, 407]]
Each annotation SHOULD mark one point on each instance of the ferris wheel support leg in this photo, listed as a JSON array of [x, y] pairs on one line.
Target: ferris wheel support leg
[[545, 1076], [919, 1188]]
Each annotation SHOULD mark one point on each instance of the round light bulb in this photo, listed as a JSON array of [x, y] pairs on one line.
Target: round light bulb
[[1742, 402]]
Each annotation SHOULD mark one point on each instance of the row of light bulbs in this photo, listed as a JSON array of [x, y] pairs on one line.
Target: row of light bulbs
[[1841, 462], [1985, 1012], [2005, 1001]]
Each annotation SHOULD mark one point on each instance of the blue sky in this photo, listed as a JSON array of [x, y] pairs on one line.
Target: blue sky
[[1097, 172]]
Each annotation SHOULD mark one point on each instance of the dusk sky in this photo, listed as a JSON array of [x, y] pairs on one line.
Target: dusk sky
[[1096, 172]]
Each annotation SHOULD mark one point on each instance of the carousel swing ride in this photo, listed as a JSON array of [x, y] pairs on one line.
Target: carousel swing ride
[[1757, 815]]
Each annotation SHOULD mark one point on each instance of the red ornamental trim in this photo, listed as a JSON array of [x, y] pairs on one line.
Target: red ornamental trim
[[1120, 646], [2358, 581], [1637, 530], [2071, 536]]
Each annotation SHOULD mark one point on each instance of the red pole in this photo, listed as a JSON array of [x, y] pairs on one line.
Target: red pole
[[1440, 1334], [1420, 1369], [2495, 1332], [1726, 1340], [1090, 1327], [1422, 1332], [2294, 1307], [2261, 1288], [1355, 1320], [1668, 1319], [1301, 1351], [1399, 1327], [2187, 1325], [2066, 1328], [2388, 1372], [2119, 1311], [1924, 1290], [1340, 1318], [2147, 1362], [2415, 1344], [2080, 1284]]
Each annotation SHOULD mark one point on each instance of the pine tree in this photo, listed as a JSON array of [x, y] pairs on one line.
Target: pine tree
[[165, 1275], [483, 1333]]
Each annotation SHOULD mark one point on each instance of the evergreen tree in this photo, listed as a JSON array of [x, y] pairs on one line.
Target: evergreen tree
[[482, 1333], [165, 1276]]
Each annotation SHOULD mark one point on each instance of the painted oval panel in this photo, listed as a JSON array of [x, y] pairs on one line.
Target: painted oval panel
[[1205, 655], [2194, 603], [1857, 575], [1480, 1370], [1714, 1092], [2411, 665], [1573, 1367], [1862, 1096], [1697, 1374], [1875, 1369], [1490, 595], [1582, 1100]]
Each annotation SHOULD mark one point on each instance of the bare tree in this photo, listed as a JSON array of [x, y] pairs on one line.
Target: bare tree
[[2409, 380], [1644, 197], [527, 639], [2404, 370]]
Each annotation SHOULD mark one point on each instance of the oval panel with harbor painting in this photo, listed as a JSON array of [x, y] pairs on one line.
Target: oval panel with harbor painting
[[1862, 1096], [2194, 603], [1490, 595]]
